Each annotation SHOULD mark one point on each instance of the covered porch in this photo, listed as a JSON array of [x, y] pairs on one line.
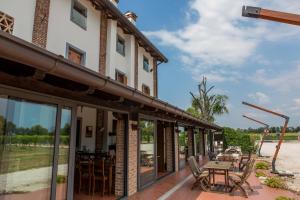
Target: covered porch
[[178, 186]]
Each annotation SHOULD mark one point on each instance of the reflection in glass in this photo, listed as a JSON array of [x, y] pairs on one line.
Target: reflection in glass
[[63, 157], [146, 151], [182, 147], [26, 148]]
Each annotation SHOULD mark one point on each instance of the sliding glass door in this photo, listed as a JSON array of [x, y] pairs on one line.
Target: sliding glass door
[[147, 169], [34, 149]]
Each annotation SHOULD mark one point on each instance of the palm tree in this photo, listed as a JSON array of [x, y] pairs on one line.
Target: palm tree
[[206, 106]]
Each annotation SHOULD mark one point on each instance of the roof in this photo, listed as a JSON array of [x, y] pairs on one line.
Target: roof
[[43, 61], [114, 13]]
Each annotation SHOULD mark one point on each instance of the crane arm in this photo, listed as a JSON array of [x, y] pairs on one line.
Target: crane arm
[[277, 16]]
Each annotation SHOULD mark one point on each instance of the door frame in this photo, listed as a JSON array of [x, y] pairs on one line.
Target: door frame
[[150, 118]]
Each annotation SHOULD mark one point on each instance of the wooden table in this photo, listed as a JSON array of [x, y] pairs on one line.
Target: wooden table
[[213, 166]]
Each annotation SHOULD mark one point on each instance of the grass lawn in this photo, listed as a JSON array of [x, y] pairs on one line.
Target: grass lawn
[[17, 158]]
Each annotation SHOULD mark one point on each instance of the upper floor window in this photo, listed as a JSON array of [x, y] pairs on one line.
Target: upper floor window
[[121, 77], [146, 64], [6, 23], [145, 89], [78, 14], [75, 55], [120, 45]]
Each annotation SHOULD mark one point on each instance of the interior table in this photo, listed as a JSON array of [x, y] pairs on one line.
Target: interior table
[[217, 166]]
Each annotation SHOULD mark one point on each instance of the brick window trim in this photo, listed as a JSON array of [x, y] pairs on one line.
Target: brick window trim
[[79, 51], [6, 23]]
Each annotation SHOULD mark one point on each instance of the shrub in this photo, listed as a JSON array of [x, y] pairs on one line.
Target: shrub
[[238, 138], [284, 198], [262, 165], [260, 174], [274, 182], [61, 179]]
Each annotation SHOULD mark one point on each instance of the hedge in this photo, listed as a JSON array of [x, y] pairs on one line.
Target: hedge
[[273, 136], [32, 139], [236, 138]]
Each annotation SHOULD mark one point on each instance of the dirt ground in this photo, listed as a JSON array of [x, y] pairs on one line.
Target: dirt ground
[[288, 159]]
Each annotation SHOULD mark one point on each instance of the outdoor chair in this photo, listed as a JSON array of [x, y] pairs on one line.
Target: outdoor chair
[[212, 156], [200, 175], [239, 179], [245, 158]]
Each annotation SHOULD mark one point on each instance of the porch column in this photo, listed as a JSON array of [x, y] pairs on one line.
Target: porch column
[[120, 148], [132, 153], [190, 143], [176, 149], [169, 147], [100, 128]]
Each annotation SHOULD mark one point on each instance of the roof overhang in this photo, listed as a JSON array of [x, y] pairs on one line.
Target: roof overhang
[[47, 64]]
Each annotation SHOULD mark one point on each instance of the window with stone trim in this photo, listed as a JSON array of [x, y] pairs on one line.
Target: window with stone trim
[[75, 55], [145, 89], [121, 77], [6, 23], [79, 14], [146, 64], [120, 45]]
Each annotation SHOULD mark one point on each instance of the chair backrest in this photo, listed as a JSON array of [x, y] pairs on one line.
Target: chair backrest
[[99, 168], [193, 166], [248, 170]]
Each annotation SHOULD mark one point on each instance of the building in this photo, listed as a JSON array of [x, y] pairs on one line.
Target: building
[[78, 103]]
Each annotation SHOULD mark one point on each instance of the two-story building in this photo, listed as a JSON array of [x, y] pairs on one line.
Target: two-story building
[[79, 111]]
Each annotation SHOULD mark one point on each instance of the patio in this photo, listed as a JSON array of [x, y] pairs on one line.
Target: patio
[[178, 186]]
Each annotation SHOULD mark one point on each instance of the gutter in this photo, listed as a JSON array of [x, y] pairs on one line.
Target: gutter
[[18, 50]]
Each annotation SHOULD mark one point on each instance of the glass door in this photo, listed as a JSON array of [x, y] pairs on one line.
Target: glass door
[[147, 169], [34, 149], [182, 147]]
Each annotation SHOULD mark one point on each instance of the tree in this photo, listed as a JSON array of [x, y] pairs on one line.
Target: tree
[[205, 105]]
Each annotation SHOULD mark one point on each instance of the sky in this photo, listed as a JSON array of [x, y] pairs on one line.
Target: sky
[[247, 59]]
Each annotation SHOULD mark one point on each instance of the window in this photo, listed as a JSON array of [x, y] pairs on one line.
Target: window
[[146, 89], [6, 23], [75, 55], [121, 77], [79, 14], [120, 45], [146, 64]]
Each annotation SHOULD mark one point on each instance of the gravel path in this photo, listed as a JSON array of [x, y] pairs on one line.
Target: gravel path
[[288, 158]]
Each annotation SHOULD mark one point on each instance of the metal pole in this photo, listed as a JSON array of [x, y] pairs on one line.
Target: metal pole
[[277, 16], [265, 131], [282, 132]]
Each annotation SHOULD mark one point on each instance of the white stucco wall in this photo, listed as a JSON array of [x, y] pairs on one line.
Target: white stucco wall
[[144, 76], [62, 30], [23, 13], [89, 118], [116, 61]]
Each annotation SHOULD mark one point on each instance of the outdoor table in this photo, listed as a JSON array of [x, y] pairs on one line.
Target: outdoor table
[[213, 166]]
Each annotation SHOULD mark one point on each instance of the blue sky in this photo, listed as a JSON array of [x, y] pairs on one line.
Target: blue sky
[[246, 59]]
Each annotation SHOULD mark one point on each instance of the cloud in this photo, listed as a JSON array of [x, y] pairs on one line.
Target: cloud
[[284, 81], [260, 98], [217, 37]]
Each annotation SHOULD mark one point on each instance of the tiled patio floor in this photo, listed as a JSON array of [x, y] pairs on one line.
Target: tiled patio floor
[[164, 190]]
